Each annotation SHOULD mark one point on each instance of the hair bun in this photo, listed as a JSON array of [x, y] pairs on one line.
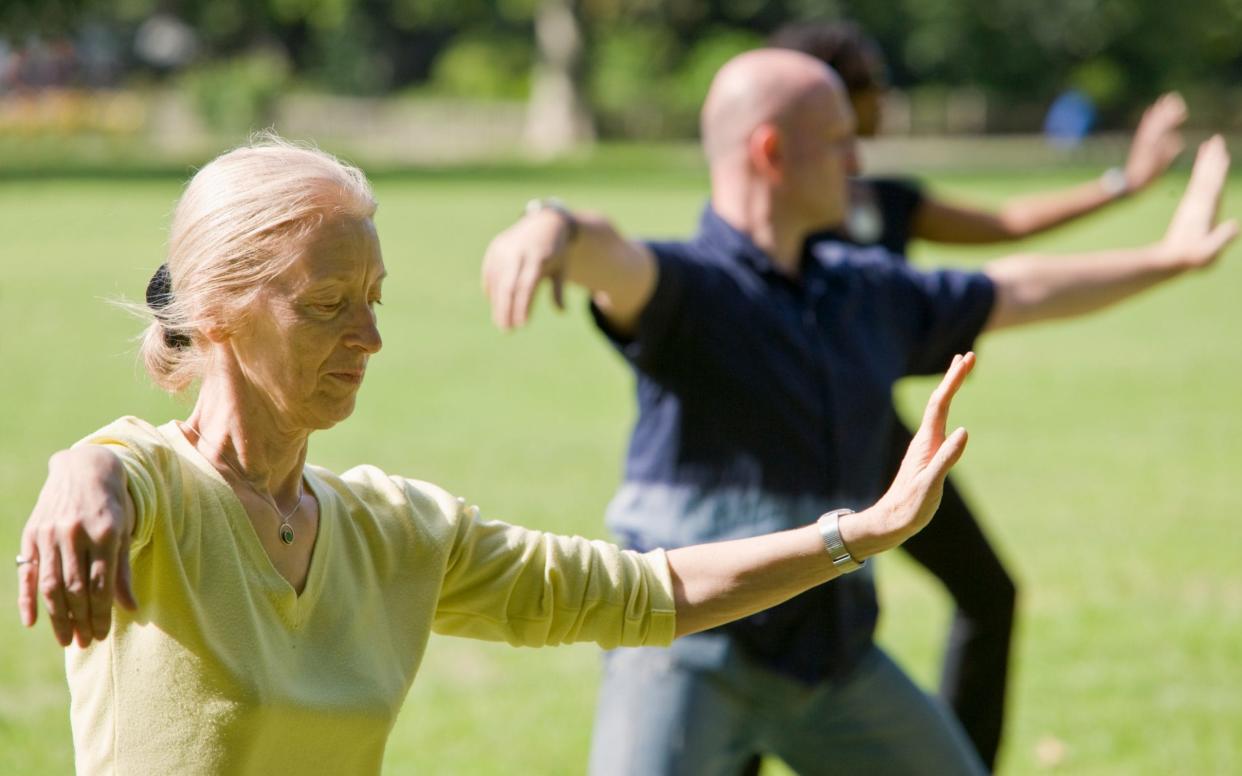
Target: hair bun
[[159, 296], [159, 289]]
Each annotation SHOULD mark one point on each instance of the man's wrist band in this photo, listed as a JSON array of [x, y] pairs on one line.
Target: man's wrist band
[[557, 206], [1114, 182], [830, 530]]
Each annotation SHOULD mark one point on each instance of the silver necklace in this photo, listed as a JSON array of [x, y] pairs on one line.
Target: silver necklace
[[285, 530]]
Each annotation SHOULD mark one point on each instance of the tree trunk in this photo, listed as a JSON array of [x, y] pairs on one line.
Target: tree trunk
[[558, 119]]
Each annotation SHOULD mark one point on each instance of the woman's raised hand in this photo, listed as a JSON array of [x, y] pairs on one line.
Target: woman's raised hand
[[915, 493]]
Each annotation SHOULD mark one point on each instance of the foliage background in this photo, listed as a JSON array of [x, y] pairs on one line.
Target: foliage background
[[646, 61]]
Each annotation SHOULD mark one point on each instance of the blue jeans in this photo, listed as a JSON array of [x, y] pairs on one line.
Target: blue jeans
[[664, 712]]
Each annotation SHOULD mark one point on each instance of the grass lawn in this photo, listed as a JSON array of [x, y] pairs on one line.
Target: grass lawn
[[1104, 456]]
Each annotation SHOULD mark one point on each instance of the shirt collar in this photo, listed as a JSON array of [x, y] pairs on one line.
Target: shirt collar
[[726, 241]]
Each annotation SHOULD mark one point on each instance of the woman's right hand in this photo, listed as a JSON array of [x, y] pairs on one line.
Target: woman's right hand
[[914, 496], [77, 544]]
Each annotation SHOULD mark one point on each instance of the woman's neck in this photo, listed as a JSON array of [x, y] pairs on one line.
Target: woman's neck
[[249, 439]]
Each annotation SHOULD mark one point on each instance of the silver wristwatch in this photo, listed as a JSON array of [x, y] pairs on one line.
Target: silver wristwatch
[[1114, 182], [830, 529], [558, 207]]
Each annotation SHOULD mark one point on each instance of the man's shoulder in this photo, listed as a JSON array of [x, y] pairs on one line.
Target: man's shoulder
[[691, 250]]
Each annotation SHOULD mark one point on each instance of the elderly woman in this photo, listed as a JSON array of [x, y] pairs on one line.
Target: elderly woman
[[272, 613]]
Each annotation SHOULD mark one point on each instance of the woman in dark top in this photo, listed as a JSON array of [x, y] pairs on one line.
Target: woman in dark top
[[889, 212]]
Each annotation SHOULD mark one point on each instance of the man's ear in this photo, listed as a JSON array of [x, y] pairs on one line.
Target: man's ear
[[766, 149]]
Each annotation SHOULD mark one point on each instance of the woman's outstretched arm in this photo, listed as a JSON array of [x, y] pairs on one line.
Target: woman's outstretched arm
[[724, 581]]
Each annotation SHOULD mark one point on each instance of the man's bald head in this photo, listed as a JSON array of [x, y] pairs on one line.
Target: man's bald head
[[765, 86]]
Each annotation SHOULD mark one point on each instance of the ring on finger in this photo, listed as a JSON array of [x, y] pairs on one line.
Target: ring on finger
[[22, 560]]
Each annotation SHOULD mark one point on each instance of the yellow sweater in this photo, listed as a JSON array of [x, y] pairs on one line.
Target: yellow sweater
[[225, 670]]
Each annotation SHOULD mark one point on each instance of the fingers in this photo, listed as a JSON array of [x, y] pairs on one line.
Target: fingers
[[52, 588], [529, 275], [1157, 140], [27, 581], [104, 551], [936, 414], [1201, 200], [99, 595], [1164, 115], [947, 456], [1221, 236], [558, 291], [73, 574], [1212, 160], [930, 435], [1171, 109], [78, 535], [516, 263], [498, 279]]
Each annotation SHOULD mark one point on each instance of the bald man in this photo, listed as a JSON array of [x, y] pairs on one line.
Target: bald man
[[764, 378]]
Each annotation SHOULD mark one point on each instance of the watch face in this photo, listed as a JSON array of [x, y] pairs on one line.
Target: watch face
[[865, 223]]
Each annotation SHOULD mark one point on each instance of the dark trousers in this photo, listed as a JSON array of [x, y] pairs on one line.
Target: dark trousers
[[976, 660]]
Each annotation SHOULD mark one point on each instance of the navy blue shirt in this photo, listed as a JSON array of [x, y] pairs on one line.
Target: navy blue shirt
[[763, 401]]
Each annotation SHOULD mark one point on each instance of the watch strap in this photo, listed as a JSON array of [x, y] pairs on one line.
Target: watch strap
[[830, 530]]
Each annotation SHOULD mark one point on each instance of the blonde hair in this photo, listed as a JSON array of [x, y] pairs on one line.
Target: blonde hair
[[234, 230]]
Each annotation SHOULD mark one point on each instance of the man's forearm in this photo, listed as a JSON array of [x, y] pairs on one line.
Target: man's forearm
[[949, 223], [1034, 288], [621, 275], [1030, 215]]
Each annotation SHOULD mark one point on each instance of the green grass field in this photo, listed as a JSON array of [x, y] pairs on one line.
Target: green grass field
[[1105, 456]]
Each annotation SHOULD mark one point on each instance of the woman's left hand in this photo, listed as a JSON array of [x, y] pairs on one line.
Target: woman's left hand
[[914, 495]]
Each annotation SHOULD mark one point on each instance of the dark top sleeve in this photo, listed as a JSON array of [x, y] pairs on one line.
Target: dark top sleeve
[[946, 311], [898, 199], [893, 203], [688, 297]]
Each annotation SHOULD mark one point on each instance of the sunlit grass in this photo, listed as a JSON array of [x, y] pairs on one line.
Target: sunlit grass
[[1103, 456]]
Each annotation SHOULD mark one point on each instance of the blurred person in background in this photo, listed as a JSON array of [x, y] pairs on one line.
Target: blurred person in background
[[890, 212], [764, 387], [273, 614]]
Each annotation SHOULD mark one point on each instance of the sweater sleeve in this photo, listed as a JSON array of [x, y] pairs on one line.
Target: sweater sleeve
[[146, 458], [531, 588]]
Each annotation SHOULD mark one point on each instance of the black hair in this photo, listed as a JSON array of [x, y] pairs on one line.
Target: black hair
[[842, 45]]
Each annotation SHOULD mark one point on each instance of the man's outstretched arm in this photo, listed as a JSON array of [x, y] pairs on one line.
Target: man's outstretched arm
[[1035, 288], [560, 246], [1157, 142]]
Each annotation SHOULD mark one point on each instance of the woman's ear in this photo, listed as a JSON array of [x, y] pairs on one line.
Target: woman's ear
[[214, 329]]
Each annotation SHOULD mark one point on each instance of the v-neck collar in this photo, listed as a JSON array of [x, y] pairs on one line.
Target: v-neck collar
[[292, 606]]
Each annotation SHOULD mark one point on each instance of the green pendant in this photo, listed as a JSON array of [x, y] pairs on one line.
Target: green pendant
[[286, 533]]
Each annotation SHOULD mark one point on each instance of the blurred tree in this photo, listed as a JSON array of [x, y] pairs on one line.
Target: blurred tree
[[640, 64], [558, 118]]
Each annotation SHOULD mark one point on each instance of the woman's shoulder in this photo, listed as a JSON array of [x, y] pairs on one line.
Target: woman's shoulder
[[128, 427], [140, 437], [387, 494]]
